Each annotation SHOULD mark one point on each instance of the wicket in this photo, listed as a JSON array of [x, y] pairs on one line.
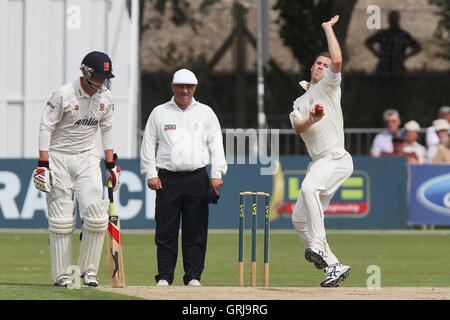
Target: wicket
[[253, 233]]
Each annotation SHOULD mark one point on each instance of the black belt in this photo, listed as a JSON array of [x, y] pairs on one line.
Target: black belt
[[180, 173]]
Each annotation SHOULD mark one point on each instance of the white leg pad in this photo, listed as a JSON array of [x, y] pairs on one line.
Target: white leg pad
[[95, 223], [61, 223]]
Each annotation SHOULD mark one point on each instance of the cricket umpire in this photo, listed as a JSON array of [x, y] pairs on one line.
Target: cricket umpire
[[69, 167], [182, 136]]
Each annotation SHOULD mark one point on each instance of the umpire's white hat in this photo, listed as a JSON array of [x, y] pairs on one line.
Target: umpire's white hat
[[184, 76]]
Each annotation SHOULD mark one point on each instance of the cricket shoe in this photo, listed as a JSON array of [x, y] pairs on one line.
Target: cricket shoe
[[64, 281], [194, 283], [335, 274], [316, 256], [90, 279], [162, 283]]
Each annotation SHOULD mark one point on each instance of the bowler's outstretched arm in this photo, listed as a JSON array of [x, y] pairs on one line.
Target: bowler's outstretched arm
[[333, 45]]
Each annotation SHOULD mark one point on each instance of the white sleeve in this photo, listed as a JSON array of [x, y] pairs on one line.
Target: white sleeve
[[375, 150], [331, 79], [302, 113], [106, 129], [431, 137], [219, 165], [332, 75], [331, 82], [148, 148], [53, 113]]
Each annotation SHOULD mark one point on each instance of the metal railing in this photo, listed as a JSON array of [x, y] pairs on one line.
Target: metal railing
[[358, 141]]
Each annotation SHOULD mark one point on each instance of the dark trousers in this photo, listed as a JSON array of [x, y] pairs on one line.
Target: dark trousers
[[183, 195]]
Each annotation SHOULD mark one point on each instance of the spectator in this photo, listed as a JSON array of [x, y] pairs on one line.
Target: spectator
[[383, 141], [432, 138], [412, 130], [398, 142], [443, 152], [393, 46], [441, 126]]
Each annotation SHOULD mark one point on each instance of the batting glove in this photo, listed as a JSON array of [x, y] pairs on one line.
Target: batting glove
[[42, 177], [112, 173]]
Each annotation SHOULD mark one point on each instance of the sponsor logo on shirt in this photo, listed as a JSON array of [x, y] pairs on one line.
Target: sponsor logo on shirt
[[170, 127], [51, 105], [76, 107], [87, 122], [101, 107]]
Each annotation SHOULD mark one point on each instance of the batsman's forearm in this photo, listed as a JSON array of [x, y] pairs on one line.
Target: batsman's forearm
[[43, 155], [334, 49], [109, 155]]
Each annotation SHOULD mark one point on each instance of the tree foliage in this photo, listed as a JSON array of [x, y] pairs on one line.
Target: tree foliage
[[301, 21], [180, 11], [300, 27], [443, 29]]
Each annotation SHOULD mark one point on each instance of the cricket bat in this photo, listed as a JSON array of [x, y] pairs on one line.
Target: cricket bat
[[114, 245]]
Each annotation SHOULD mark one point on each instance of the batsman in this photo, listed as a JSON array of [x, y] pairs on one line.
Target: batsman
[[317, 117], [69, 167]]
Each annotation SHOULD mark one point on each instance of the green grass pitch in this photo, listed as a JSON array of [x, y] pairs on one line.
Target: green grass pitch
[[409, 259]]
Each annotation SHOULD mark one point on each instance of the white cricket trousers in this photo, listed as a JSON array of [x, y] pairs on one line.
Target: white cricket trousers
[[76, 174], [323, 177]]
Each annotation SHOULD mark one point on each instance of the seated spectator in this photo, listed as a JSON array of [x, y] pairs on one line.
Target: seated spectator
[[442, 128], [412, 130], [398, 142], [432, 138], [443, 153], [383, 141]]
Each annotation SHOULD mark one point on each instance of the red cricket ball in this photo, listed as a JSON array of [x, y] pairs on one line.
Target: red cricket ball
[[318, 109]]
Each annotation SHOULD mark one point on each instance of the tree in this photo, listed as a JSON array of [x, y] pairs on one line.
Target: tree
[[443, 29], [301, 25], [181, 12]]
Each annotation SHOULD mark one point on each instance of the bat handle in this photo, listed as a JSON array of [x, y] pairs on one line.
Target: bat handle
[[110, 191], [111, 199]]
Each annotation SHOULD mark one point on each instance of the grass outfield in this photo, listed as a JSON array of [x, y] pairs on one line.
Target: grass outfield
[[406, 259]]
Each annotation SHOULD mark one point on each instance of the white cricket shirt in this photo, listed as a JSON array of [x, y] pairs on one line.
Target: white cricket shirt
[[182, 140], [327, 135], [71, 119], [419, 150], [382, 143]]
